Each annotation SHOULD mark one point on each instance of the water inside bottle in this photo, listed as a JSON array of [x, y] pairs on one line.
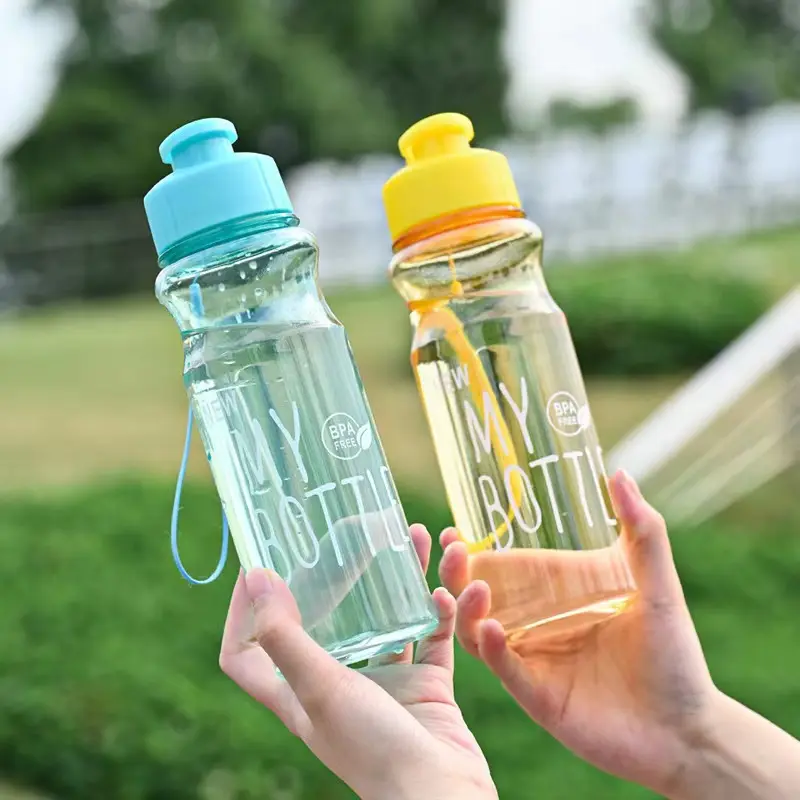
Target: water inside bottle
[[304, 482], [522, 465]]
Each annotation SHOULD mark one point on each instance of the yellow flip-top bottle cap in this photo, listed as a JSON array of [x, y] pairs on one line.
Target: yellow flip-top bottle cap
[[444, 175]]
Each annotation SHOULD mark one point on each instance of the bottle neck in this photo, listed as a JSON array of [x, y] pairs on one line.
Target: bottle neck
[[224, 233], [450, 222], [265, 272], [492, 253]]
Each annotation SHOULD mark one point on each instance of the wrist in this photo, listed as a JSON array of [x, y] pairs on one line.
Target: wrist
[[444, 787], [456, 790], [738, 755], [710, 764]]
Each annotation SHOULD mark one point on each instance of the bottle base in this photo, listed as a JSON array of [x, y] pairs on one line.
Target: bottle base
[[372, 643], [570, 620]]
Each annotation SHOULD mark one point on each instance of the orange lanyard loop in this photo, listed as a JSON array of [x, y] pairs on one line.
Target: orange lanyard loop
[[434, 314]]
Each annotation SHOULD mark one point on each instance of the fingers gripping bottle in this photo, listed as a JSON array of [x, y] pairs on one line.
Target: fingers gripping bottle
[[501, 387], [278, 400]]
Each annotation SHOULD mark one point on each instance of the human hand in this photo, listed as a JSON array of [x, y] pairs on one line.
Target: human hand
[[633, 694], [392, 730]]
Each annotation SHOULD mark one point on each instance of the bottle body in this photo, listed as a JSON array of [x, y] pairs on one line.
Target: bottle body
[[507, 409], [291, 441]]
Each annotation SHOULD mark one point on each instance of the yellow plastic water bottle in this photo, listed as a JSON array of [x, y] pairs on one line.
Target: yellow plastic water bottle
[[501, 387]]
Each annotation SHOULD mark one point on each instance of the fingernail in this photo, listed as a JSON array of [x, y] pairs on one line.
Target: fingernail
[[630, 484], [444, 594], [260, 583], [623, 495], [448, 536], [624, 484]]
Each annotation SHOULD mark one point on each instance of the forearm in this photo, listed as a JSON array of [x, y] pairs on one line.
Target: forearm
[[742, 757]]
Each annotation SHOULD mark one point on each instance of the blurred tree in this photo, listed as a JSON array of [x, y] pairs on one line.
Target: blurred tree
[[739, 55], [599, 118], [301, 79]]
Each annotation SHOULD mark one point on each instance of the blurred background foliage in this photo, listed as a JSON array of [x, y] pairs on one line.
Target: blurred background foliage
[[739, 55], [111, 689], [303, 79], [306, 80]]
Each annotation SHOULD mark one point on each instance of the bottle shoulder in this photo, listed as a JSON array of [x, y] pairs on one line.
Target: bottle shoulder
[[276, 245], [467, 237], [500, 256], [267, 278]]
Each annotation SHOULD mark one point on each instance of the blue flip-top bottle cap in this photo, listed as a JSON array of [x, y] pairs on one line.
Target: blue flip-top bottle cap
[[210, 184]]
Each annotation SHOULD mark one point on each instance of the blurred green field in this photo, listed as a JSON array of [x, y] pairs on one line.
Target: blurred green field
[[110, 684], [11, 793], [96, 389]]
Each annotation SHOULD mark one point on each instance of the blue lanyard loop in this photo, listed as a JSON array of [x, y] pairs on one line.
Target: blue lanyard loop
[[176, 507]]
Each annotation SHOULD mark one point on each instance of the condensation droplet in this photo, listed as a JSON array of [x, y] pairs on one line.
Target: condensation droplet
[[258, 291], [242, 274], [254, 265], [243, 297], [221, 287]]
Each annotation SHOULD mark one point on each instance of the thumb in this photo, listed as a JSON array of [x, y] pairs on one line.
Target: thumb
[[646, 543], [267, 591], [307, 668], [277, 620]]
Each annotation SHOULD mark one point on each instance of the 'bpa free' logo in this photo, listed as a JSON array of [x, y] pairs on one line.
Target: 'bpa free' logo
[[344, 438], [566, 415]]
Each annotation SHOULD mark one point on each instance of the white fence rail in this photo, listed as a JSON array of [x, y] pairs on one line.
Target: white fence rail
[[732, 427], [637, 188]]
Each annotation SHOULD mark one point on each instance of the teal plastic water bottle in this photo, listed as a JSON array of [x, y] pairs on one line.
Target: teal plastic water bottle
[[278, 400]]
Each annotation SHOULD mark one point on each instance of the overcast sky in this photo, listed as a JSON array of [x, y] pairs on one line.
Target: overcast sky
[[590, 49], [593, 50]]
